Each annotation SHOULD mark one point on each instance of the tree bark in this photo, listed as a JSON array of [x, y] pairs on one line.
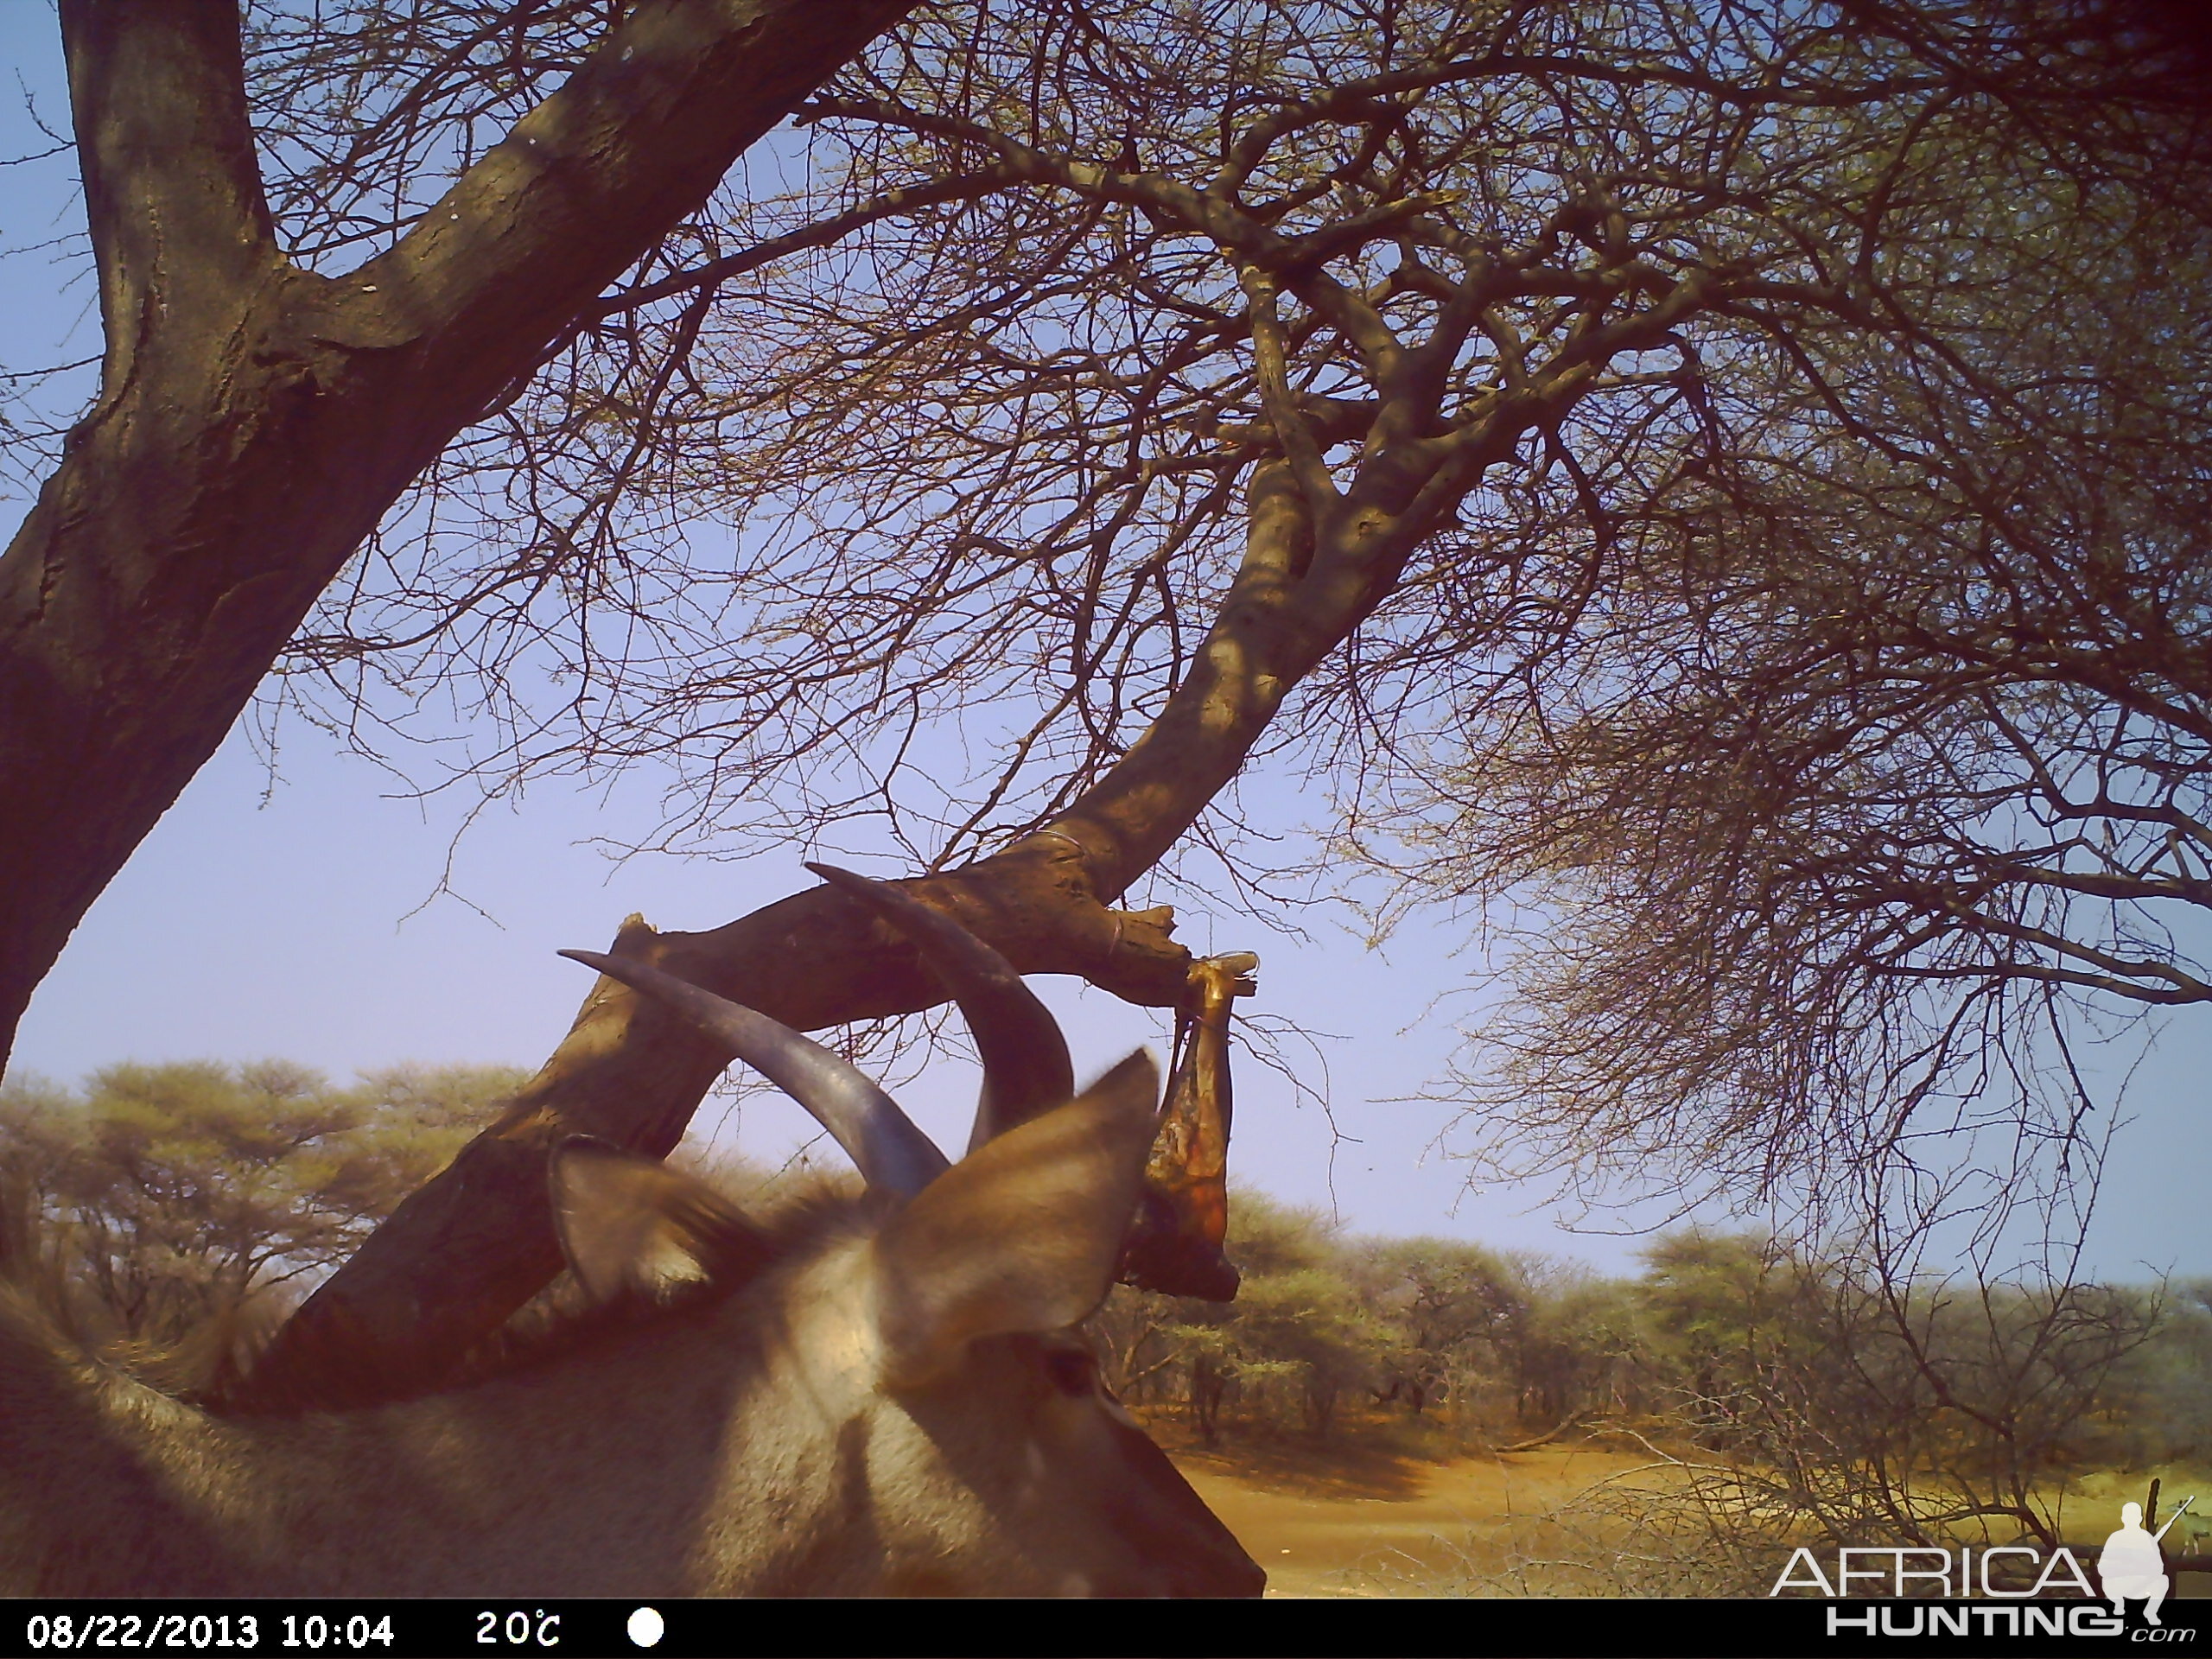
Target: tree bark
[[255, 421]]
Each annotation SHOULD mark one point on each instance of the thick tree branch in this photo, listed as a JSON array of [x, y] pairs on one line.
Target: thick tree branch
[[471, 1247], [180, 226], [1250, 659], [255, 421]]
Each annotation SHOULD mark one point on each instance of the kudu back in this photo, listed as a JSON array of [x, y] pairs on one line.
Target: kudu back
[[881, 1394]]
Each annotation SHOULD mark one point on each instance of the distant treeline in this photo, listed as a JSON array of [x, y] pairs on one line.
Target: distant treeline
[[1733, 1340], [169, 1200], [1785, 1390]]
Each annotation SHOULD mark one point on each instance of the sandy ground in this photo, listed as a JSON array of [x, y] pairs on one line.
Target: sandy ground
[[1368, 1523], [1351, 1520]]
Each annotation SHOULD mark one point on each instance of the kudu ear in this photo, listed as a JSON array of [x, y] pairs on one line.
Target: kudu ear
[[1023, 1234], [630, 1225]]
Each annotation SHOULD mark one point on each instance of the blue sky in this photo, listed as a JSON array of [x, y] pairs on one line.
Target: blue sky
[[310, 909]]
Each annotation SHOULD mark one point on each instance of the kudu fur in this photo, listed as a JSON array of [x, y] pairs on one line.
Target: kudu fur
[[875, 1396]]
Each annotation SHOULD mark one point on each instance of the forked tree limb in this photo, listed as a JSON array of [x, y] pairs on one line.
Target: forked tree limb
[[474, 1245]]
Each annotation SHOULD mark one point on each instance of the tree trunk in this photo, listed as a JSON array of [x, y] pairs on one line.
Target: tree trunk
[[255, 421]]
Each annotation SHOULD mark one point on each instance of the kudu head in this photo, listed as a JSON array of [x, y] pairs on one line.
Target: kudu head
[[879, 1395], [981, 1451]]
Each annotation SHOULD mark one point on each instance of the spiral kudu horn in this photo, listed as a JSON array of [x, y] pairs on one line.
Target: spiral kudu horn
[[891, 1153], [1026, 1065]]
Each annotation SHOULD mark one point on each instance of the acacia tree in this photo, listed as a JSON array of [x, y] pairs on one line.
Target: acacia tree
[[257, 415], [170, 1195], [1889, 771], [1121, 379]]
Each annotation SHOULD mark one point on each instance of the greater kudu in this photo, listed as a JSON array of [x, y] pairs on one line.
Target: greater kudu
[[871, 1395]]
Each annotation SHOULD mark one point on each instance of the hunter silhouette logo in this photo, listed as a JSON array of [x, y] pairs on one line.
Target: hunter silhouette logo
[[2130, 1568]]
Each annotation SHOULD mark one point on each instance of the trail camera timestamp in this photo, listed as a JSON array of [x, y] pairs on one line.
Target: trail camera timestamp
[[97, 1632]]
